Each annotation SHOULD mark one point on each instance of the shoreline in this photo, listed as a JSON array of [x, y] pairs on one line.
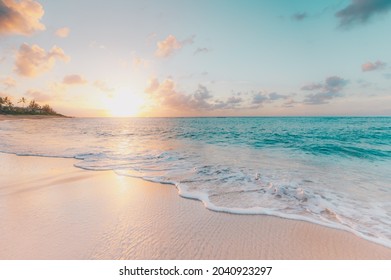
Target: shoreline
[[29, 117], [53, 210]]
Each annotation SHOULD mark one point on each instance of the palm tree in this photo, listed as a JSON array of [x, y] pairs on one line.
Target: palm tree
[[7, 101], [48, 110], [22, 100], [33, 106]]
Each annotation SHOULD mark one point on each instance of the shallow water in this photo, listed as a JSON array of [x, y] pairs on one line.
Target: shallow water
[[327, 170]]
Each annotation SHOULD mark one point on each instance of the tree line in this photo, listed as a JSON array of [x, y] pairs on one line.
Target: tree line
[[32, 108]]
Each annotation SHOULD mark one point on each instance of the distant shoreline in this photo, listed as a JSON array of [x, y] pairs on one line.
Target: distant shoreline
[[30, 117], [39, 116]]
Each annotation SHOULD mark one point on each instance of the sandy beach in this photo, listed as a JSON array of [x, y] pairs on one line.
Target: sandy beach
[[31, 117], [52, 210]]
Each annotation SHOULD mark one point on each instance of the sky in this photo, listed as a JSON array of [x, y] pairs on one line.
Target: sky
[[96, 58]]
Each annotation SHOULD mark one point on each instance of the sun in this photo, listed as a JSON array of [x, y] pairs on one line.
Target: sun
[[124, 104]]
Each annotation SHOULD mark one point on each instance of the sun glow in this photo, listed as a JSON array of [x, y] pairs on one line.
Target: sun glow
[[124, 104]]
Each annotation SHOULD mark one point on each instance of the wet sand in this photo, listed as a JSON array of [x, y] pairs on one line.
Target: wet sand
[[52, 210]]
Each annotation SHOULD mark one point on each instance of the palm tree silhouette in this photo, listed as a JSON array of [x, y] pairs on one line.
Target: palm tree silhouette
[[22, 100], [34, 106], [7, 101], [1, 102]]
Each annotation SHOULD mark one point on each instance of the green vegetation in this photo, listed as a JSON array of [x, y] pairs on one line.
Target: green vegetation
[[33, 108]]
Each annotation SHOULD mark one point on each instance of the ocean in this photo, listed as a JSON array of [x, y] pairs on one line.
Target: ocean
[[332, 171]]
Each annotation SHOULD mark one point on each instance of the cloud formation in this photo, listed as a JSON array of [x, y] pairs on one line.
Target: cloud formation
[[328, 90], [260, 98], [290, 103], [371, 66], [313, 86], [8, 82], [74, 80], [32, 60], [38, 95], [169, 45], [201, 50], [360, 11], [321, 97], [139, 62], [232, 102], [299, 16], [20, 17], [276, 96], [62, 32], [166, 95]]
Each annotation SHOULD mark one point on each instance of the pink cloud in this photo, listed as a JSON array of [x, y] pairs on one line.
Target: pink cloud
[[167, 47], [62, 32], [8, 82], [37, 95], [20, 17], [369, 66], [32, 60], [74, 80]]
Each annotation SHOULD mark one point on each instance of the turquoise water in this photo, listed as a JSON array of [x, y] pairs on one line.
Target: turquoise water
[[327, 170]]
